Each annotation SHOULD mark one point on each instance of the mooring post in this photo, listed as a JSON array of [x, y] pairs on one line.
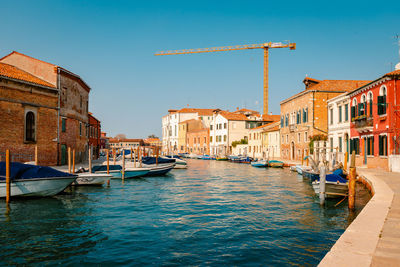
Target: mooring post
[[114, 155], [307, 158], [90, 159], [8, 185], [36, 155], [136, 155], [108, 165], [156, 156], [346, 159], [123, 164], [322, 181], [141, 156], [73, 160], [352, 181], [302, 157], [131, 153], [69, 160]]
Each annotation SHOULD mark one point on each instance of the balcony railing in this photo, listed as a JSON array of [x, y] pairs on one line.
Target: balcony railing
[[363, 122]]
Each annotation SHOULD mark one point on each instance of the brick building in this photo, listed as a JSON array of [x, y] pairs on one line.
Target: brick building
[[305, 114], [375, 123], [198, 141], [94, 132], [28, 116], [73, 102]]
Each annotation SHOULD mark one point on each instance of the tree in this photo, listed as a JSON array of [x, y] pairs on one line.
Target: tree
[[152, 136], [120, 136]]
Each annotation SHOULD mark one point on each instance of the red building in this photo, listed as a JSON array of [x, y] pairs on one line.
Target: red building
[[94, 132], [375, 127]]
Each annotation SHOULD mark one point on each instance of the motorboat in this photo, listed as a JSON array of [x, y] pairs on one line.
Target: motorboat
[[259, 163], [87, 178], [160, 166], [180, 163], [28, 180], [301, 168], [275, 164], [335, 186], [221, 158]]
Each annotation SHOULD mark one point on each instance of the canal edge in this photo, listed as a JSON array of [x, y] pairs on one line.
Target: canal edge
[[356, 246]]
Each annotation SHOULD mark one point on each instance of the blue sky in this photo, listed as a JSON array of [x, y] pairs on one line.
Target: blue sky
[[111, 45]]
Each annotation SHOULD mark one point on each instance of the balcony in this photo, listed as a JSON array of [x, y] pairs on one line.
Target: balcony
[[363, 123], [292, 128]]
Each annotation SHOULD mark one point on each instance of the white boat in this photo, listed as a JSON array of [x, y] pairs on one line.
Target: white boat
[[34, 181], [87, 178], [179, 163], [301, 168], [335, 186]]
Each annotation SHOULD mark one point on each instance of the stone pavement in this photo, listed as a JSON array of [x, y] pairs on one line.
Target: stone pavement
[[387, 252]]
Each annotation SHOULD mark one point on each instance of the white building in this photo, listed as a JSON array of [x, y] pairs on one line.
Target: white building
[[170, 125], [255, 146], [339, 124], [272, 140]]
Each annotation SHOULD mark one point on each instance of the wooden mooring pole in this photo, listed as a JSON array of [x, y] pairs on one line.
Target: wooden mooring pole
[[123, 165], [73, 160], [108, 165], [90, 159], [8, 185], [114, 155], [69, 160], [140, 156], [156, 156], [352, 181], [36, 155], [302, 158], [322, 183], [346, 159]]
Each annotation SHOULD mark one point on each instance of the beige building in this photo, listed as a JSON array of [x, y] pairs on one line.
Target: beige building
[[271, 140], [305, 114], [185, 127]]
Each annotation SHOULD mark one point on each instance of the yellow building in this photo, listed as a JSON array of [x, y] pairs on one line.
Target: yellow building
[[184, 128]]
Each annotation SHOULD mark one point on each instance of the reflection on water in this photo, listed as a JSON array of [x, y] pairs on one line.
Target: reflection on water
[[212, 213]]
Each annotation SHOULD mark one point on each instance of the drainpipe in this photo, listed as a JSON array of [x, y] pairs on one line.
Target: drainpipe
[[58, 115]]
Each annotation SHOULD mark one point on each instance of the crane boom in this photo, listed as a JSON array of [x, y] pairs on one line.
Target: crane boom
[[264, 46], [292, 46]]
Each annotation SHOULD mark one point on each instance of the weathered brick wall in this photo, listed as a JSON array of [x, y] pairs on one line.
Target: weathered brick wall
[[12, 121]]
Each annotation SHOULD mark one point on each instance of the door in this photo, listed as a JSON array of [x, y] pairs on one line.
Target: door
[[365, 151], [63, 154]]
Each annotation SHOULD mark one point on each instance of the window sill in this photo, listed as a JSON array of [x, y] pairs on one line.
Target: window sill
[[383, 157], [29, 142]]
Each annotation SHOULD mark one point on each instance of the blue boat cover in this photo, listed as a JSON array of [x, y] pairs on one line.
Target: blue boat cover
[[335, 178], [152, 160], [27, 171], [101, 168]]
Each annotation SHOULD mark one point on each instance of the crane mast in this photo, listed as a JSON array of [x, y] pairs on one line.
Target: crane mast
[[264, 46]]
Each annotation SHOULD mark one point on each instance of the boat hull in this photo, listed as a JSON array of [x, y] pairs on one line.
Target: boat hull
[[275, 164], [40, 187], [180, 166], [259, 164], [92, 179], [332, 189], [161, 169]]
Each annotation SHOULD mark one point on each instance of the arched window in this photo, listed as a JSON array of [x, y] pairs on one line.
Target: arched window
[[382, 100], [370, 103], [362, 107], [30, 126], [354, 108]]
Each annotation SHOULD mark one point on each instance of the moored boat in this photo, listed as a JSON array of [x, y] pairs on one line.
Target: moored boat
[[275, 164], [34, 181], [301, 168], [335, 186], [221, 158], [86, 178], [158, 167], [180, 163], [259, 163]]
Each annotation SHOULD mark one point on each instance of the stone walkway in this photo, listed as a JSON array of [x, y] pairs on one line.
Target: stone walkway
[[387, 252]]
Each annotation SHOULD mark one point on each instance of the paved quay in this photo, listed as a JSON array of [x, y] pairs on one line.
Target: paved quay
[[373, 239]]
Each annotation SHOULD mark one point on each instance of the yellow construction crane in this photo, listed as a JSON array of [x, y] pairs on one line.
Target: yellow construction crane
[[265, 46]]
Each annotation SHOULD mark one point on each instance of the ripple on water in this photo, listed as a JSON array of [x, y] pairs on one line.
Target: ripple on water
[[213, 213]]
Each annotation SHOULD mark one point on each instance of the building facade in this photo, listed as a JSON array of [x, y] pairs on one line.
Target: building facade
[[94, 132], [28, 116], [305, 114], [73, 103], [339, 125], [271, 140], [185, 127], [375, 123], [198, 141]]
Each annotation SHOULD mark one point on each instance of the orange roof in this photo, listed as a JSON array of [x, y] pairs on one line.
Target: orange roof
[[338, 85], [233, 116], [200, 111], [275, 128], [393, 73], [186, 121], [245, 110], [12, 72], [268, 117]]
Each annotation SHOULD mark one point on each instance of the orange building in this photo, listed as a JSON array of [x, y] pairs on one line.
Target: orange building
[[198, 141]]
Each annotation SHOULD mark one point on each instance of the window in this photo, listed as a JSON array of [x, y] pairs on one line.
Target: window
[[370, 145], [225, 125], [283, 139], [194, 140], [355, 146], [382, 101], [63, 125], [287, 120], [282, 121], [81, 103], [354, 109], [80, 128], [340, 144], [331, 144], [362, 106], [224, 138], [382, 145], [211, 139], [346, 112], [305, 137], [340, 113], [249, 149], [299, 137], [370, 101], [287, 139], [331, 116], [30, 126]]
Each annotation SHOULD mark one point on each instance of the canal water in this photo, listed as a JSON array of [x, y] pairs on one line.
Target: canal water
[[213, 213]]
